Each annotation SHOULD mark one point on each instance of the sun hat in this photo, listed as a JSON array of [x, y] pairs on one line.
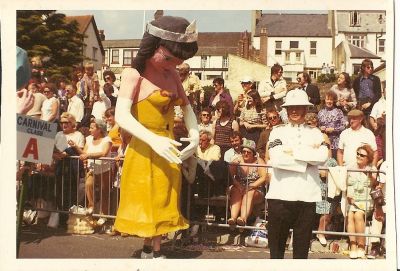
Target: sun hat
[[296, 96], [247, 79], [355, 113], [249, 144]]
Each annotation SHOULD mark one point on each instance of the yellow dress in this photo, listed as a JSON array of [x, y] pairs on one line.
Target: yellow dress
[[150, 185]]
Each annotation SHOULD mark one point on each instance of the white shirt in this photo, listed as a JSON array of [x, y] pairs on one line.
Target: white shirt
[[101, 106], [47, 108], [295, 153], [350, 140], [212, 153], [99, 166], [231, 155], [378, 109], [76, 108], [61, 140]]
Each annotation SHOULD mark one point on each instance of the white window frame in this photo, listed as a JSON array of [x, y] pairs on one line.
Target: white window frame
[[357, 40], [381, 47], [106, 57], [224, 62], [203, 61], [298, 57], [313, 49], [127, 59], [355, 19], [115, 56], [278, 49]]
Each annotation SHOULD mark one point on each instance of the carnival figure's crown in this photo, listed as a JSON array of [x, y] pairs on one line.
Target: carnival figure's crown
[[190, 34]]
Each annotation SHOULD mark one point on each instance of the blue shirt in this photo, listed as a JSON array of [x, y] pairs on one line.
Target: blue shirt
[[366, 88]]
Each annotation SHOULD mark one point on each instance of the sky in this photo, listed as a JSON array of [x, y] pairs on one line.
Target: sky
[[122, 24]]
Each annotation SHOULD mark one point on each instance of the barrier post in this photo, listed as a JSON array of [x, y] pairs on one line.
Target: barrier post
[[21, 203]]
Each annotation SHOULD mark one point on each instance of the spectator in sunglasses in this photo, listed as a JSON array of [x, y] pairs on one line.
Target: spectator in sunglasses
[[273, 119], [220, 94], [367, 87]]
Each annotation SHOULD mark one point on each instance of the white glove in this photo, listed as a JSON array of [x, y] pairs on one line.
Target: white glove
[[163, 146], [191, 125]]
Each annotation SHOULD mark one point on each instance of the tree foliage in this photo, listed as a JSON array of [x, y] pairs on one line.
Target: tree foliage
[[47, 34]]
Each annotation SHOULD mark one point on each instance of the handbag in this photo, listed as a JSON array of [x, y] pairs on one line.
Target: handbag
[[377, 196]]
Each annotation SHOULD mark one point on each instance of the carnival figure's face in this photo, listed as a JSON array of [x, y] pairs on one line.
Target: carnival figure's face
[[296, 113], [163, 59]]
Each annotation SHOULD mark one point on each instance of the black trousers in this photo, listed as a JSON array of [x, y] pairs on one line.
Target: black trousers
[[284, 215]]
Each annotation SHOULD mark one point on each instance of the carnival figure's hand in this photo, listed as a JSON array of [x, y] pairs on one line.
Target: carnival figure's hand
[[166, 148], [191, 148], [25, 100]]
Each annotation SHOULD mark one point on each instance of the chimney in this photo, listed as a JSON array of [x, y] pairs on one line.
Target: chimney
[[158, 14], [101, 34], [255, 19], [263, 45], [246, 45]]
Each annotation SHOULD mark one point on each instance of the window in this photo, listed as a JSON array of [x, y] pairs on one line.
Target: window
[[354, 18], [294, 44], [115, 56], [127, 59], [313, 47], [94, 53], [203, 61], [287, 57], [357, 40], [278, 47], [356, 68], [381, 46], [106, 57], [298, 55], [224, 62]]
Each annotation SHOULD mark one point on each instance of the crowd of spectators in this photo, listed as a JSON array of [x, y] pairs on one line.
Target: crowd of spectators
[[233, 130]]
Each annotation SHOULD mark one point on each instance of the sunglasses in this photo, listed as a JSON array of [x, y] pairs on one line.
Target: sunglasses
[[369, 67], [247, 152], [273, 118], [361, 155], [205, 115]]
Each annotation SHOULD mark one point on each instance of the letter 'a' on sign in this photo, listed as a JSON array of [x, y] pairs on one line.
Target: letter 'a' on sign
[[31, 149]]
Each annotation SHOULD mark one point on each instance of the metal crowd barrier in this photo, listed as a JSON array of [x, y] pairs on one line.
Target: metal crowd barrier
[[64, 186]]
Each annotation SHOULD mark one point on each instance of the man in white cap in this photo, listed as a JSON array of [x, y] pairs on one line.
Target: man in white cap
[[295, 151], [247, 84]]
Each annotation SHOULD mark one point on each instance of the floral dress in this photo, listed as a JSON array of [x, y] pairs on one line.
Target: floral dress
[[332, 118]]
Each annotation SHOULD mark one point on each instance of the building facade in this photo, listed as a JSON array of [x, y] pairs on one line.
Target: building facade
[[298, 42], [92, 49]]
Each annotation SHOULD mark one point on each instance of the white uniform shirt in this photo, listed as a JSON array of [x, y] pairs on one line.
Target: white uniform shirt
[[350, 140], [295, 176], [76, 108]]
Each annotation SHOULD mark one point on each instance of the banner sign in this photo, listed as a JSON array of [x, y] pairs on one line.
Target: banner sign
[[35, 139]]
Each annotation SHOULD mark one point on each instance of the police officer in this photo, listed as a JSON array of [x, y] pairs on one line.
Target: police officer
[[296, 150]]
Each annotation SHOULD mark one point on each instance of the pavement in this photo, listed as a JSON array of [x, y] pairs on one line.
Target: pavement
[[40, 242]]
